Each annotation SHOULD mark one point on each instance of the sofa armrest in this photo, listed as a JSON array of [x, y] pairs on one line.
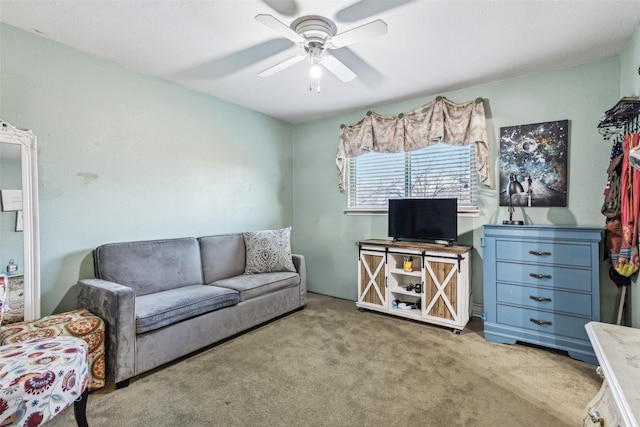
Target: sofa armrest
[[299, 263], [115, 304]]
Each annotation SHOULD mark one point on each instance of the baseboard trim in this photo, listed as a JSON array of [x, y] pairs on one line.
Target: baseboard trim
[[477, 310]]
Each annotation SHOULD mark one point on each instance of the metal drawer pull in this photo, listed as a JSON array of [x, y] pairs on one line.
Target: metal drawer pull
[[540, 322], [539, 299], [540, 253], [540, 276]]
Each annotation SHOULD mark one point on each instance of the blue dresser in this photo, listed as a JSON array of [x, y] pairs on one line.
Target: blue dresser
[[541, 285]]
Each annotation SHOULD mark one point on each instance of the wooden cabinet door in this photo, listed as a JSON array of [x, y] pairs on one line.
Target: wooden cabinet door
[[372, 274], [441, 286]]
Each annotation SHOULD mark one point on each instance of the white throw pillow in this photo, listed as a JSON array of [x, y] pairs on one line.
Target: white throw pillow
[[268, 251]]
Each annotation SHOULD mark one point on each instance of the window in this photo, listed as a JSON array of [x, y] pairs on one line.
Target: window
[[437, 171]]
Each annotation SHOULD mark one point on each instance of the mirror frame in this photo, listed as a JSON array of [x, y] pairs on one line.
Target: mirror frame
[[31, 238]]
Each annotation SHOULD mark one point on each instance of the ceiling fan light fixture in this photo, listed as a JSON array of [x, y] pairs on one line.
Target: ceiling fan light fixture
[[315, 71], [314, 52]]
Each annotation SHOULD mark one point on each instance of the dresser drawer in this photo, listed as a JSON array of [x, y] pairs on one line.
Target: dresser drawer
[[544, 275], [546, 299], [544, 253], [548, 322]]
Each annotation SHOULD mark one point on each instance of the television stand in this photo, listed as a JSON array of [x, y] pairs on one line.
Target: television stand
[[434, 287]]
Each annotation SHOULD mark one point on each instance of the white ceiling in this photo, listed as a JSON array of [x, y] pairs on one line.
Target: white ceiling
[[218, 48]]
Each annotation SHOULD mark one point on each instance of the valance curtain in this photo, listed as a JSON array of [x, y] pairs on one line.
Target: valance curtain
[[438, 121]]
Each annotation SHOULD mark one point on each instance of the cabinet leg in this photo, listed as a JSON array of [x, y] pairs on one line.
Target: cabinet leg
[[361, 309]]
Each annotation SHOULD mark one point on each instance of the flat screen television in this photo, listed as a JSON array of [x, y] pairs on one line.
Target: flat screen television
[[424, 219]]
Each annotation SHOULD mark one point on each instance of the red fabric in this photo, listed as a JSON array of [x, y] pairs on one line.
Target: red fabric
[[630, 194]]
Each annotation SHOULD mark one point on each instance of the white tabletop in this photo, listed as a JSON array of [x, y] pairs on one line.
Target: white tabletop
[[618, 351]]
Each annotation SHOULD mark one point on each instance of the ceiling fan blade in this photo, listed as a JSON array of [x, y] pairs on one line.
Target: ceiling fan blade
[[358, 34], [281, 66], [280, 28], [364, 9], [338, 68]]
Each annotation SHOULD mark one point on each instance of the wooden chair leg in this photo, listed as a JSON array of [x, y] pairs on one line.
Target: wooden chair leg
[[80, 409]]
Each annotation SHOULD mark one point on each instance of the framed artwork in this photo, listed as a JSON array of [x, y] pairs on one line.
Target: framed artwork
[[535, 155], [19, 221], [11, 200]]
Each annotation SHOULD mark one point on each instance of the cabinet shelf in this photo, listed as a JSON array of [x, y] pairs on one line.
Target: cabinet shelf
[[402, 291], [413, 313], [413, 273]]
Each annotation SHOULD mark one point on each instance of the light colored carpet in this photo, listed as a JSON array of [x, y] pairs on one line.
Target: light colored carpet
[[331, 365]]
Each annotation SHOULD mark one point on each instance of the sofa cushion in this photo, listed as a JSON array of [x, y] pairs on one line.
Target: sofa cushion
[[254, 285], [222, 256], [150, 266], [268, 251], [164, 308]]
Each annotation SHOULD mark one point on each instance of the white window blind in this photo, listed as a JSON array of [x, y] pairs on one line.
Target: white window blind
[[437, 171]]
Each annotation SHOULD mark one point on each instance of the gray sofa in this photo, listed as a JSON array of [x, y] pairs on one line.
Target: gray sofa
[[164, 299]]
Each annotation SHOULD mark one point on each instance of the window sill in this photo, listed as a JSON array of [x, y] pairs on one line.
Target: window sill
[[462, 213]]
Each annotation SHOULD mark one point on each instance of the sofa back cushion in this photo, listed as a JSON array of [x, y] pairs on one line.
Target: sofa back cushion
[[150, 266], [223, 256]]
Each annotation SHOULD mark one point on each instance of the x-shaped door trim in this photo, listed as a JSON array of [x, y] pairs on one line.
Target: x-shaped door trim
[[371, 277], [440, 291]]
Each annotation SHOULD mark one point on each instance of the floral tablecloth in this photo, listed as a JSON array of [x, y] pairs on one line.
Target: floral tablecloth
[[40, 378]]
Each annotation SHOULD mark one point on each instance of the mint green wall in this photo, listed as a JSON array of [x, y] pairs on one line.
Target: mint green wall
[[124, 156], [581, 94], [11, 246], [630, 86], [630, 67]]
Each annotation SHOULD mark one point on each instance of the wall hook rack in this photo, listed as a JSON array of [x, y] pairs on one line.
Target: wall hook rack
[[621, 117]]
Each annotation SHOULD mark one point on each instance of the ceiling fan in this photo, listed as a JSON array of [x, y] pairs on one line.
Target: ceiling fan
[[315, 35]]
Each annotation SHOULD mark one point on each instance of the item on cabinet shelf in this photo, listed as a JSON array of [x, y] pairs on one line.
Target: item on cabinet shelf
[[412, 287], [12, 267], [408, 263], [436, 291], [407, 305], [513, 187], [541, 285]]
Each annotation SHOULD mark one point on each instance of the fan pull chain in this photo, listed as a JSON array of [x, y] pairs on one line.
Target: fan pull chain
[[317, 80]]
